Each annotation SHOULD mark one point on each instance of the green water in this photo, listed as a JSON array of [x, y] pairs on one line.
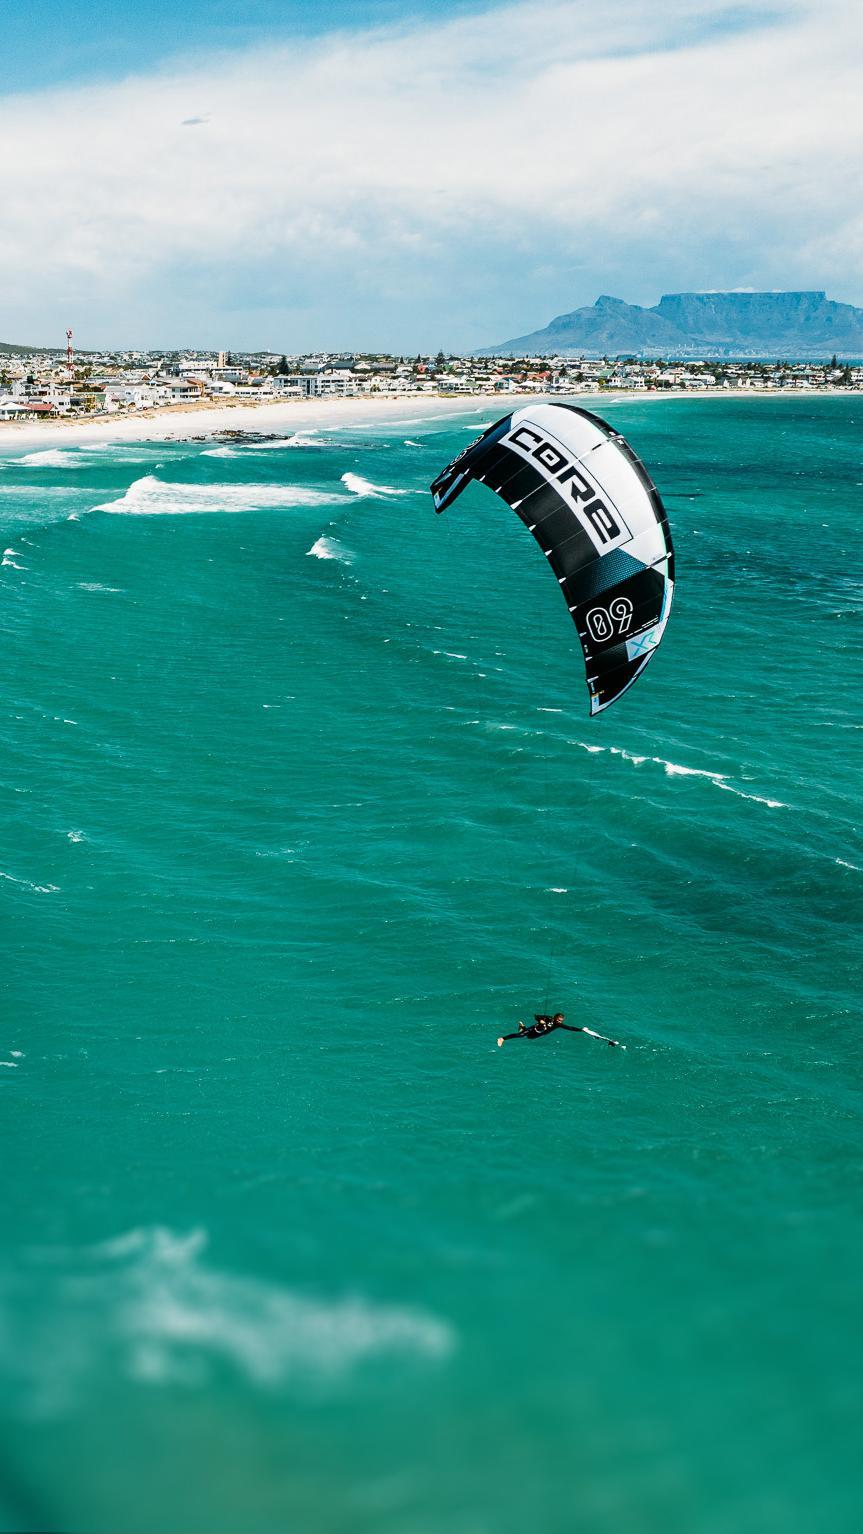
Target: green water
[[289, 1244]]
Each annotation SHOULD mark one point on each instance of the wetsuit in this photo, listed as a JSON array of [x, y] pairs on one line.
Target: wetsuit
[[540, 1028]]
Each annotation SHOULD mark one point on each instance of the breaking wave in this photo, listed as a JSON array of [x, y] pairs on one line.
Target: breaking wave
[[27, 884], [359, 486], [298, 439], [675, 770], [237, 450], [150, 497], [330, 548], [53, 458]]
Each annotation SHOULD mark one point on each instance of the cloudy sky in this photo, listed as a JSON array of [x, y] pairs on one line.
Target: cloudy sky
[[408, 175]]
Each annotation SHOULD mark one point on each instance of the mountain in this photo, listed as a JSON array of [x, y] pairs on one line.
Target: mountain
[[9, 349], [806, 324]]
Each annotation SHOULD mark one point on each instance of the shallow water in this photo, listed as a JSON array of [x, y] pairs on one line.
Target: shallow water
[[289, 1244]]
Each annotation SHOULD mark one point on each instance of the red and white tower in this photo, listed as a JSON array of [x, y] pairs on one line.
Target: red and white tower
[[70, 356]]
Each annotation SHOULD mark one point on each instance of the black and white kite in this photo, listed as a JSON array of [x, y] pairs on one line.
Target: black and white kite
[[597, 516]]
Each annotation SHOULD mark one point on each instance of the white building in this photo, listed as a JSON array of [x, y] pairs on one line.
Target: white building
[[331, 381]]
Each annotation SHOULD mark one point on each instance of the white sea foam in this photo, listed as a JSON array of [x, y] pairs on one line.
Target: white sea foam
[[359, 486], [96, 586], [150, 1305], [627, 755], [330, 548], [27, 884], [843, 864], [676, 770], [772, 804], [238, 450], [30, 490], [9, 562], [299, 439], [149, 497], [75, 836], [409, 442], [53, 458]]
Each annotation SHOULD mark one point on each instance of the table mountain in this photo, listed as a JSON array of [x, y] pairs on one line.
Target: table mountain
[[805, 324]]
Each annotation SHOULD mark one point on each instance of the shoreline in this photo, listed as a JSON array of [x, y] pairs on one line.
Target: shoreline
[[181, 422]]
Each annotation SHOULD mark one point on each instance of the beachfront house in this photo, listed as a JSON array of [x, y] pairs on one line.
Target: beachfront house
[[329, 381], [25, 409]]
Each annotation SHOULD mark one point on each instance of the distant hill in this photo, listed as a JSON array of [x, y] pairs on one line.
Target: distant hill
[[9, 349], [806, 324]]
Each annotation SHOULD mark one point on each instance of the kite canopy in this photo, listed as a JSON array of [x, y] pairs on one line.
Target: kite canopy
[[596, 514]]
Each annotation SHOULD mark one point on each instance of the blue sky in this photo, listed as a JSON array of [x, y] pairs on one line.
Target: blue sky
[[50, 42], [409, 175]]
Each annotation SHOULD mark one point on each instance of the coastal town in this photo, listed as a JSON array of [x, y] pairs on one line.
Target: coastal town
[[51, 385]]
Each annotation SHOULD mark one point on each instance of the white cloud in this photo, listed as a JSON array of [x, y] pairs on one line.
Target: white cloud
[[559, 147]]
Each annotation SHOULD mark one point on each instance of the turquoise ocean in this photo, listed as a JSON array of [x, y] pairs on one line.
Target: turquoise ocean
[[302, 808]]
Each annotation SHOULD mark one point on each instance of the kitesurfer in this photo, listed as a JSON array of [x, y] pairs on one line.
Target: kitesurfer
[[544, 1023]]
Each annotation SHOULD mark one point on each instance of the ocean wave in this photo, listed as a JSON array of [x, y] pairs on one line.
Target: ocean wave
[[34, 490], [148, 1304], [27, 884], [239, 449], [330, 548], [149, 497], [677, 770], [772, 804], [53, 458], [409, 442], [299, 439], [359, 486]]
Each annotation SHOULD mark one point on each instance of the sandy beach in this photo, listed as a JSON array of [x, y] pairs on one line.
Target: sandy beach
[[179, 422], [184, 421]]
